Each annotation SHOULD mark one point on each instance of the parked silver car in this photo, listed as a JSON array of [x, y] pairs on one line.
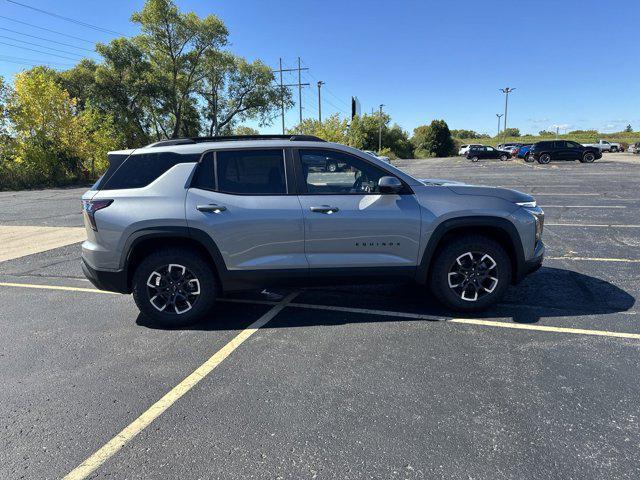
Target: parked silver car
[[180, 222]]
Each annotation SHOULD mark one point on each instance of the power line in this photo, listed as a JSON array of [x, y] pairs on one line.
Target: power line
[[68, 19], [330, 91], [47, 29], [46, 39], [9, 58], [39, 45], [39, 51]]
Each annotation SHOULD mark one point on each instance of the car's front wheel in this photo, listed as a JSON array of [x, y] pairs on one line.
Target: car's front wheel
[[504, 158], [474, 159], [588, 157], [544, 158], [470, 273], [174, 287], [528, 158]]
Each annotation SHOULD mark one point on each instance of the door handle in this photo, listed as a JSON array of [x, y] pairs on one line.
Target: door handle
[[211, 208], [324, 209]]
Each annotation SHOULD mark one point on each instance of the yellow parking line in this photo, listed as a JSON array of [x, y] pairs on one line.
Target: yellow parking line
[[545, 328], [112, 447], [55, 287], [595, 259]]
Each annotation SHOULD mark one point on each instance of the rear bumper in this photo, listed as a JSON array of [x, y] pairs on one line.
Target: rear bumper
[[112, 281]]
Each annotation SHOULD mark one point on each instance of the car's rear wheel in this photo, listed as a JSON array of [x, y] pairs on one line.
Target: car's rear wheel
[[470, 273], [588, 157], [174, 287], [474, 159], [504, 158], [544, 158]]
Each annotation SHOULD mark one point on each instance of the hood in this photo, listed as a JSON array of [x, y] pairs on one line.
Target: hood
[[439, 181], [513, 196]]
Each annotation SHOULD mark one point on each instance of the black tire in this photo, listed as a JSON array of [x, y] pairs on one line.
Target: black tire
[[172, 260], [454, 255], [504, 158], [588, 157], [528, 158], [332, 167], [474, 159], [544, 159]]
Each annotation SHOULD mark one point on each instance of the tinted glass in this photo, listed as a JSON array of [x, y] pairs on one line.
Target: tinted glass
[[257, 172], [142, 169], [573, 145], [560, 144], [330, 172], [205, 174]]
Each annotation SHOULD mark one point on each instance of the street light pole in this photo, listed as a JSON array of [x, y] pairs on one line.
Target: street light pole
[[320, 83], [380, 129], [499, 115], [506, 91]]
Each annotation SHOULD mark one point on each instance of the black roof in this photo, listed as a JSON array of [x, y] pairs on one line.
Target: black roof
[[227, 138]]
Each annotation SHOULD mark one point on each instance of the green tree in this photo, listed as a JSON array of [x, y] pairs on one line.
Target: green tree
[[464, 134], [628, 129], [235, 90], [176, 44], [546, 133], [332, 129], [433, 140], [511, 132], [244, 130]]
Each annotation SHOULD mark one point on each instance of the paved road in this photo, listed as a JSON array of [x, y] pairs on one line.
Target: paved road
[[349, 382]]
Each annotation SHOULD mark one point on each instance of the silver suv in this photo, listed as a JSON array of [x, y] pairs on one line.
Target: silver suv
[[180, 222]]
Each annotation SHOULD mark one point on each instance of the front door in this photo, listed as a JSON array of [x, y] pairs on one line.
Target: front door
[[348, 222], [241, 199]]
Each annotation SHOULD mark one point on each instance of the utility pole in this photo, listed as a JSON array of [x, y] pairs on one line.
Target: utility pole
[[281, 96], [320, 83], [499, 115], [380, 129], [299, 85], [506, 91]]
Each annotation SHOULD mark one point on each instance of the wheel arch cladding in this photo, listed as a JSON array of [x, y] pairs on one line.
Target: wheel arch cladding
[[143, 242], [499, 229]]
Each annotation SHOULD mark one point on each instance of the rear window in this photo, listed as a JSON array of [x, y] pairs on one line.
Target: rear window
[[140, 170], [255, 172]]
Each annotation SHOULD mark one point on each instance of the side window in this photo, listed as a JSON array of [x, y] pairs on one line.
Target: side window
[[204, 177], [488, 149], [560, 144], [140, 170], [337, 173], [255, 172]]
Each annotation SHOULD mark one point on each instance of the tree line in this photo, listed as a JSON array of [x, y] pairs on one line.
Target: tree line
[[176, 78]]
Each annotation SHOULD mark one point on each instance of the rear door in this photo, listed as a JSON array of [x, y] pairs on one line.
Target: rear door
[[561, 151], [574, 151], [348, 222], [242, 200]]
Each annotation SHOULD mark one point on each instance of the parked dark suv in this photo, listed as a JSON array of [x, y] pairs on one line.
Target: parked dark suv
[[546, 151]]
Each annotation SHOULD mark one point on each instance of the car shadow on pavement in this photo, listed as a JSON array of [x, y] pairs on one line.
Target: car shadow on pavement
[[549, 292]]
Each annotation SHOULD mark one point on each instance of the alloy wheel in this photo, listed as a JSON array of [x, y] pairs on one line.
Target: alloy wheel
[[173, 289], [473, 276]]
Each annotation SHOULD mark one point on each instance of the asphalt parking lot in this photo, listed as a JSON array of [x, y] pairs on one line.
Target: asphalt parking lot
[[345, 382]]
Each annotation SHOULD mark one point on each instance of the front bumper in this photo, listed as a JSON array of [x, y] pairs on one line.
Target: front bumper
[[535, 262], [112, 281]]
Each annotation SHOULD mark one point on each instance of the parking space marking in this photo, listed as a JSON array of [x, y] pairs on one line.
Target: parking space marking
[[546, 328], [114, 445], [595, 259], [55, 287]]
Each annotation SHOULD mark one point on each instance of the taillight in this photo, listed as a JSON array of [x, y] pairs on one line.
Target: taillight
[[90, 207]]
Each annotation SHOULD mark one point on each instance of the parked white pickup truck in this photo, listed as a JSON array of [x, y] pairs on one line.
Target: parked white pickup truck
[[605, 146]]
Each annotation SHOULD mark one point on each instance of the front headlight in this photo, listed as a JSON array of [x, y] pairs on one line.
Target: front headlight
[[532, 204], [539, 217]]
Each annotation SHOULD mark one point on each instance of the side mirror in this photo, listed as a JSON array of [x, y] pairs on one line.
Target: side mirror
[[389, 185]]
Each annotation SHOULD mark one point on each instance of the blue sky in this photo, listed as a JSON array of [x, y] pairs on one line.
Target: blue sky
[[574, 63]]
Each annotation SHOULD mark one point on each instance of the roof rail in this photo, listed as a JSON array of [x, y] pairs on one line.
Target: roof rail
[[227, 138]]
